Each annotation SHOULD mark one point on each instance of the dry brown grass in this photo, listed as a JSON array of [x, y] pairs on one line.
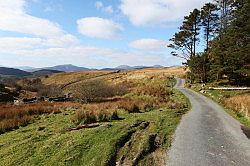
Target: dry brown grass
[[240, 103], [107, 111], [138, 105], [61, 79], [149, 72], [12, 116], [65, 78], [95, 112], [154, 88]]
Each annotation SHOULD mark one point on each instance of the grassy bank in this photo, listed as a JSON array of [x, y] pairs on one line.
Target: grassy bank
[[236, 102]]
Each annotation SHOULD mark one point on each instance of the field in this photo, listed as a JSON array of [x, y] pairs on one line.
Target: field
[[131, 125]]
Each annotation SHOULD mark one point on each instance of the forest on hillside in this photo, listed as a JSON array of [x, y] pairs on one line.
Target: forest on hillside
[[215, 42]]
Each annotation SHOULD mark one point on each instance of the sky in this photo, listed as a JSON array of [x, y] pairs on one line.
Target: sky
[[90, 33]]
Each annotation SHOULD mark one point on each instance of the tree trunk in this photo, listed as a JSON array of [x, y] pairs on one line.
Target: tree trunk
[[195, 31], [208, 30]]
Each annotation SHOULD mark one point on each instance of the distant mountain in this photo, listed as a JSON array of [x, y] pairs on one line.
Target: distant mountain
[[44, 72], [105, 69], [126, 67], [175, 66], [13, 72], [29, 71], [25, 68], [123, 67], [157, 66], [63, 68], [67, 68]]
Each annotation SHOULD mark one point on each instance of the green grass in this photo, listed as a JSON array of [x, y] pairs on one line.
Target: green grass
[[220, 95], [103, 145]]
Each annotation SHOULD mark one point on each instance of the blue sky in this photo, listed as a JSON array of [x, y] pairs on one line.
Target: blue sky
[[90, 33]]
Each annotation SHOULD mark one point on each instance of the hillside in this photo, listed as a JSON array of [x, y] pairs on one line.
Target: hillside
[[129, 117], [44, 72], [62, 68], [62, 79], [13, 72]]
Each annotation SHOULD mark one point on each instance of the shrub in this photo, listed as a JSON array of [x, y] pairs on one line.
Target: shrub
[[97, 90], [32, 85], [50, 91]]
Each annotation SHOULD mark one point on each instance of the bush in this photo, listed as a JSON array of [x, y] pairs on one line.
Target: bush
[[50, 91], [32, 85], [98, 90]]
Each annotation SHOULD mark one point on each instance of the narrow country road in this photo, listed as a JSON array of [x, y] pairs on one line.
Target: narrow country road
[[207, 136]]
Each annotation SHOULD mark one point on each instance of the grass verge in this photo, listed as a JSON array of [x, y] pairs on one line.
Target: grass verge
[[231, 101]]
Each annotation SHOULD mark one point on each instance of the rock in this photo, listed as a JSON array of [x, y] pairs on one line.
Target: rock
[[202, 91]]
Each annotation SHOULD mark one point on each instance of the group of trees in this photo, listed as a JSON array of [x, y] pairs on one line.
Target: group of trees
[[36, 85], [215, 42]]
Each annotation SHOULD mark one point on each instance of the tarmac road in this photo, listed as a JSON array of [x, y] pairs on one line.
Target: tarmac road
[[207, 136]]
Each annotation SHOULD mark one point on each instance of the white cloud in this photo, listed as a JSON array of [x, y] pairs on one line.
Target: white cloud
[[148, 44], [99, 28], [15, 19], [12, 44], [85, 56], [157, 12], [99, 5]]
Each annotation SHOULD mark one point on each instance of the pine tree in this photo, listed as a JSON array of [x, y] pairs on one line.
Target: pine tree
[[187, 39], [237, 36], [181, 42], [209, 21], [230, 52]]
